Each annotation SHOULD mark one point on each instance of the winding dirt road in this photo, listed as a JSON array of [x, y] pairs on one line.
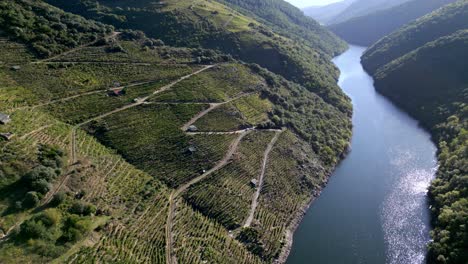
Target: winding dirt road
[[253, 207], [170, 259], [209, 109]]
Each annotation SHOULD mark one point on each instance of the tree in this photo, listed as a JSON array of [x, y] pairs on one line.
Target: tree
[[31, 199]]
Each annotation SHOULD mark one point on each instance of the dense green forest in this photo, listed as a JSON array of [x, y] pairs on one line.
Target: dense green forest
[[113, 141], [213, 25], [430, 82], [430, 27], [45, 29], [367, 29]]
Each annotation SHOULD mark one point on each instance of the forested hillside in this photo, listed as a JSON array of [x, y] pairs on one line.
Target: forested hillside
[[430, 82], [366, 30], [52, 32], [214, 25], [325, 14], [363, 7], [114, 143], [430, 27], [291, 22]]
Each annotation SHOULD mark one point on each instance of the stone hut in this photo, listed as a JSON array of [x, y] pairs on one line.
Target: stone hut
[[116, 92], [191, 149], [254, 183], [4, 119], [6, 136], [192, 128]]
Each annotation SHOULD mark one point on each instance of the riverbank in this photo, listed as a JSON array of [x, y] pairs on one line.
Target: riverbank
[[386, 175]]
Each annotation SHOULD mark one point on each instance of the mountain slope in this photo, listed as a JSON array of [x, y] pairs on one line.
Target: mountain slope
[[214, 25], [96, 163], [439, 23], [290, 21], [422, 68], [363, 7], [325, 14], [367, 29], [431, 84], [51, 33]]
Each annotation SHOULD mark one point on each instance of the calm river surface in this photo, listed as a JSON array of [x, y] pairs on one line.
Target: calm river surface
[[374, 208]]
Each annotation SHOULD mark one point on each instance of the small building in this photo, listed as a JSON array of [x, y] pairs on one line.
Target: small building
[[6, 136], [116, 92], [15, 68], [192, 128], [192, 149], [4, 119], [254, 183]]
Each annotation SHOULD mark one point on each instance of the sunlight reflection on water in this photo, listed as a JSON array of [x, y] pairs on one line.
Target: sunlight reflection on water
[[405, 232]]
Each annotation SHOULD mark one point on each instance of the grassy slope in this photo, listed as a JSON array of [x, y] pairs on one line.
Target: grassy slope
[[439, 23], [366, 30], [431, 84]]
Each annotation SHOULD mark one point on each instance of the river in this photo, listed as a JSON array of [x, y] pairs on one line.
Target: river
[[374, 208]]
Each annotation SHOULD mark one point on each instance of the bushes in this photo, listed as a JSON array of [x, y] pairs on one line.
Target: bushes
[[82, 208], [38, 226], [31, 199], [58, 198], [38, 181], [74, 228]]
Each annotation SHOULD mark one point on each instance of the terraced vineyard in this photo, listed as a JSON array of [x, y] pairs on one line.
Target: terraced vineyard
[[129, 151], [226, 194], [216, 85]]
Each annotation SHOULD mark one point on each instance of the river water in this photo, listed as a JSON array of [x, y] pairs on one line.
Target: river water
[[374, 208]]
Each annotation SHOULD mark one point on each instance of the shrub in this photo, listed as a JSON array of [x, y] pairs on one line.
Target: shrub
[[50, 217], [31, 199], [32, 229], [58, 198], [73, 228], [82, 208]]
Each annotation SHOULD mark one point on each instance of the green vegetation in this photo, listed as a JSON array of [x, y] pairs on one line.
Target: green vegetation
[[366, 30], [430, 27], [442, 108], [226, 194], [270, 41], [217, 84], [91, 173], [150, 137], [46, 29], [290, 22], [199, 239], [358, 8], [55, 81]]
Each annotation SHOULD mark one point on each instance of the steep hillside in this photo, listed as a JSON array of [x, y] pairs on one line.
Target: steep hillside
[[325, 14], [431, 84], [53, 32], [291, 22], [367, 29], [439, 23], [363, 7], [214, 25], [113, 150]]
